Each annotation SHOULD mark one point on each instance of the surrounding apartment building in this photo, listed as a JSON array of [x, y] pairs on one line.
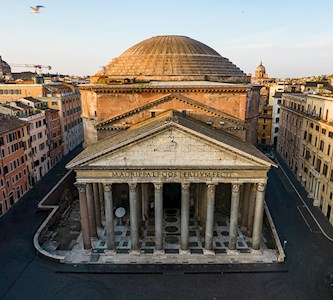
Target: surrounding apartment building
[[265, 125], [39, 143], [53, 127], [63, 97], [54, 135], [276, 111], [14, 160], [33, 112], [10, 92], [66, 99], [306, 141]]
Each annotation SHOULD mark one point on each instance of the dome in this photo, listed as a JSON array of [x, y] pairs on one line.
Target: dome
[[261, 68], [261, 72], [172, 58]]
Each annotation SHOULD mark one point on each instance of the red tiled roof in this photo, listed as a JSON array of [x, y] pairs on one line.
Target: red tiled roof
[[8, 123]]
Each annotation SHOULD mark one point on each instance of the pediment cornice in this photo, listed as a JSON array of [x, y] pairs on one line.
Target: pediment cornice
[[197, 135]]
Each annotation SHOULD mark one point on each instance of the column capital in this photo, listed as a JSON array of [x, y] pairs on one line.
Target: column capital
[[107, 187], [211, 187], [80, 186], [261, 187], [185, 187], [132, 186], [158, 186], [235, 187]]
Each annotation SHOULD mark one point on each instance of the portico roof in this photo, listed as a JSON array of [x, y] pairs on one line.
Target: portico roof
[[203, 137]]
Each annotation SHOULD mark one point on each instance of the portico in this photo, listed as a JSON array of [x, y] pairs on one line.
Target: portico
[[167, 164]]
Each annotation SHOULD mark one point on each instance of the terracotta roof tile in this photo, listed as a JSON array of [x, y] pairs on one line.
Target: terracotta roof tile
[[8, 123]]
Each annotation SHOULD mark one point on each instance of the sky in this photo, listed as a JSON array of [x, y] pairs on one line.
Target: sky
[[293, 38]]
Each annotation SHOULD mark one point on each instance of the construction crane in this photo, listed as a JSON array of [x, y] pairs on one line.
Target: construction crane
[[38, 68]]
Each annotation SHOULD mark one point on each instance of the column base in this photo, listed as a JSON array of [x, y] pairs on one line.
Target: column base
[[184, 252], [316, 202], [208, 252], [134, 252], [110, 252], [256, 252], [232, 252], [159, 252]]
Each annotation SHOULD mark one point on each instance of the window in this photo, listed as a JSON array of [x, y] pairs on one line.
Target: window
[[311, 125], [323, 131], [328, 149], [277, 120], [318, 165], [321, 146], [310, 138], [152, 114], [325, 170], [276, 129], [305, 134], [317, 128], [330, 134]]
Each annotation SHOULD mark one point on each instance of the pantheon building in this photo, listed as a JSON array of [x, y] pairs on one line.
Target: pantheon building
[[170, 163]]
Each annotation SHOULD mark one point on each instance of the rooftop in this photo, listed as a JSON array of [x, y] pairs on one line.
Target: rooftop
[[8, 123], [34, 100]]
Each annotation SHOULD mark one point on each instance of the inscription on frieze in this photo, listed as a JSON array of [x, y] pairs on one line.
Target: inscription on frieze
[[171, 174]]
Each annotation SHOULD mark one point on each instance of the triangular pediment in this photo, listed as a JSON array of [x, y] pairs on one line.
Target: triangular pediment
[[172, 147], [170, 143]]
